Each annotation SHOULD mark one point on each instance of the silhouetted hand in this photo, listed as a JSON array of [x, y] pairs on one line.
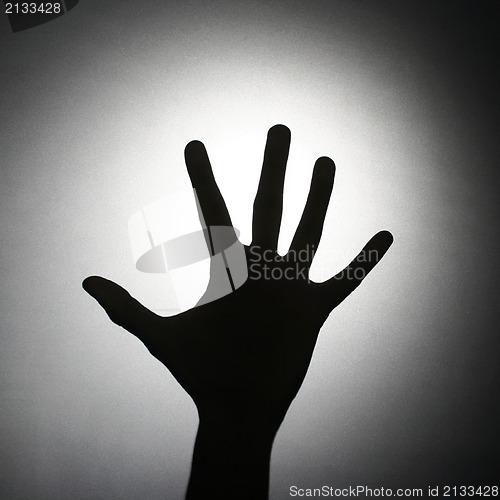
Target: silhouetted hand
[[243, 358]]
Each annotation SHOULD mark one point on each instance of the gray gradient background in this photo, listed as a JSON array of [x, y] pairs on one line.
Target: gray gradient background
[[96, 108]]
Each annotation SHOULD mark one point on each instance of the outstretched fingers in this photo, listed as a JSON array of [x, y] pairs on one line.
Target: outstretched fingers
[[122, 308], [336, 289], [268, 204], [211, 203], [311, 223]]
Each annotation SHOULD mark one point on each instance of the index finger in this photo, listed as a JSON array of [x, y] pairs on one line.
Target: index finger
[[211, 202]]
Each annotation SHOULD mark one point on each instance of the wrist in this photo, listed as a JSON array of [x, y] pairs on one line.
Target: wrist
[[231, 457]]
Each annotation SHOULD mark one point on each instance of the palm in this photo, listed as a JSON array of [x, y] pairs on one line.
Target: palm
[[242, 350], [250, 350]]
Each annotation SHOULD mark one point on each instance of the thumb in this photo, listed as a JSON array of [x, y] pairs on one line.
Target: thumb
[[121, 307]]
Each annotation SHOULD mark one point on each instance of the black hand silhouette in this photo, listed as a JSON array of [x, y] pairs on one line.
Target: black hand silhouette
[[243, 358]]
